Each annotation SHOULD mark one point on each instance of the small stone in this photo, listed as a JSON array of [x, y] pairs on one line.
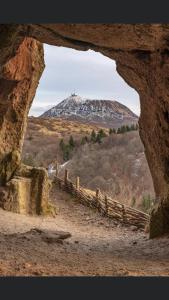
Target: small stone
[[76, 242], [51, 237], [134, 242]]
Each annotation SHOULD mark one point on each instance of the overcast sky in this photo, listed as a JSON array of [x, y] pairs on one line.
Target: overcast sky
[[87, 73]]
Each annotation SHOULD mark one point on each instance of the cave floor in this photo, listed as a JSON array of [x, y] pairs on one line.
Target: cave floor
[[98, 246]]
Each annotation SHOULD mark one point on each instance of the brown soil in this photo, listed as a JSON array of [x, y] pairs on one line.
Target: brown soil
[[97, 246]]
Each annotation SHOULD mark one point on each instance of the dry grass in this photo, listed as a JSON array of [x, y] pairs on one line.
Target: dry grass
[[41, 144]]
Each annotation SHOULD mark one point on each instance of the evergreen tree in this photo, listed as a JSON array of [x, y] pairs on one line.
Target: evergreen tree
[[110, 131], [118, 130], [127, 128], [98, 138], [123, 129], [84, 140], [66, 152], [114, 130], [93, 136], [62, 144], [71, 142], [102, 133], [132, 127]]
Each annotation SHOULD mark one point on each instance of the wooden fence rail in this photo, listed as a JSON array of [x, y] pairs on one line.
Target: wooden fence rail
[[106, 205]]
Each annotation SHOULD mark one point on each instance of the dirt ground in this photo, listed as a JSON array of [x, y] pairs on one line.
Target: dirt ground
[[98, 246]]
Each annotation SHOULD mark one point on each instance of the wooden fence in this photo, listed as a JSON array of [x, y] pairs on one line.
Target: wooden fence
[[104, 204]]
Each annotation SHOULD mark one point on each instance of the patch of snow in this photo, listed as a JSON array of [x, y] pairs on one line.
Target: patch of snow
[[90, 109]]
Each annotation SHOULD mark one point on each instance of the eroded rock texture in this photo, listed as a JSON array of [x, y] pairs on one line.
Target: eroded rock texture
[[142, 56], [27, 192]]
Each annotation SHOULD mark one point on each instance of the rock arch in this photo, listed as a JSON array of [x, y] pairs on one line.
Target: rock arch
[[142, 56]]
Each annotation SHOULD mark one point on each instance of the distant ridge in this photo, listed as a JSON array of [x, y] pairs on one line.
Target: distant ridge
[[108, 113]]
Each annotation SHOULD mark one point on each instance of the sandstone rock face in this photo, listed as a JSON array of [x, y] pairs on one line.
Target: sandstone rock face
[[142, 56], [18, 83], [27, 192]]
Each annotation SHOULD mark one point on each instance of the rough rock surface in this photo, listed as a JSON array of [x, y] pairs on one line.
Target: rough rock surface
[[142, 56], [27, 192], [18, 83]]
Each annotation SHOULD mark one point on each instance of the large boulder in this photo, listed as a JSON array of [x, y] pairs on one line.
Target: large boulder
[[27, 192]]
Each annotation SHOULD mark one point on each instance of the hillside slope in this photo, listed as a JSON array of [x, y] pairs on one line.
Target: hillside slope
[[117, 166], [41, 143]]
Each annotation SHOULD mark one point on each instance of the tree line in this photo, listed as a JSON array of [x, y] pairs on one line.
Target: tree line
[[95, 137]]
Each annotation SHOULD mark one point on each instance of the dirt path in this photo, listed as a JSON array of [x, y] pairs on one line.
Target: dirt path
[[98, 246]]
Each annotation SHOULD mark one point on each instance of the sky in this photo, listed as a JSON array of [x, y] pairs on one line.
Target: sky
[[87, 73]]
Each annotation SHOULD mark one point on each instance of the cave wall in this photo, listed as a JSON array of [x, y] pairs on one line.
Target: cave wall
[[19, 78], [142, 55]]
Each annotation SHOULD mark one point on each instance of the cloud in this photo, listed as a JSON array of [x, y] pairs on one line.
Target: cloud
[[88, 73]]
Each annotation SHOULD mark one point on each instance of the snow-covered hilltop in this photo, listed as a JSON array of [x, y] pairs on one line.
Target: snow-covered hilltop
[[108, 113]]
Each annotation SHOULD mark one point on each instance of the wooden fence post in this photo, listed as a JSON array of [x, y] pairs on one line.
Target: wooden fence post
[[106, 205], [66, 175], [57, 169], [97, 197], [97, 193], [77, 183], [123, 213]]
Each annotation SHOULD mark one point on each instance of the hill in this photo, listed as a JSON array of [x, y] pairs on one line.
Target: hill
[[106, 113]]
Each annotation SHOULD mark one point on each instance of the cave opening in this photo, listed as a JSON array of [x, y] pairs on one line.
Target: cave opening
[[115, 164], [142, 63]]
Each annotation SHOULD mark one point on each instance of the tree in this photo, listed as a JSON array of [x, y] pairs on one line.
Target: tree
[[119, 130], [71, 142], [110, 131], [66, 152], [62, 144], [84, 140], [127, 128], [98, 138], [123, 128], [132, 127], [93, 136], [114, 130], [101, 133]]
